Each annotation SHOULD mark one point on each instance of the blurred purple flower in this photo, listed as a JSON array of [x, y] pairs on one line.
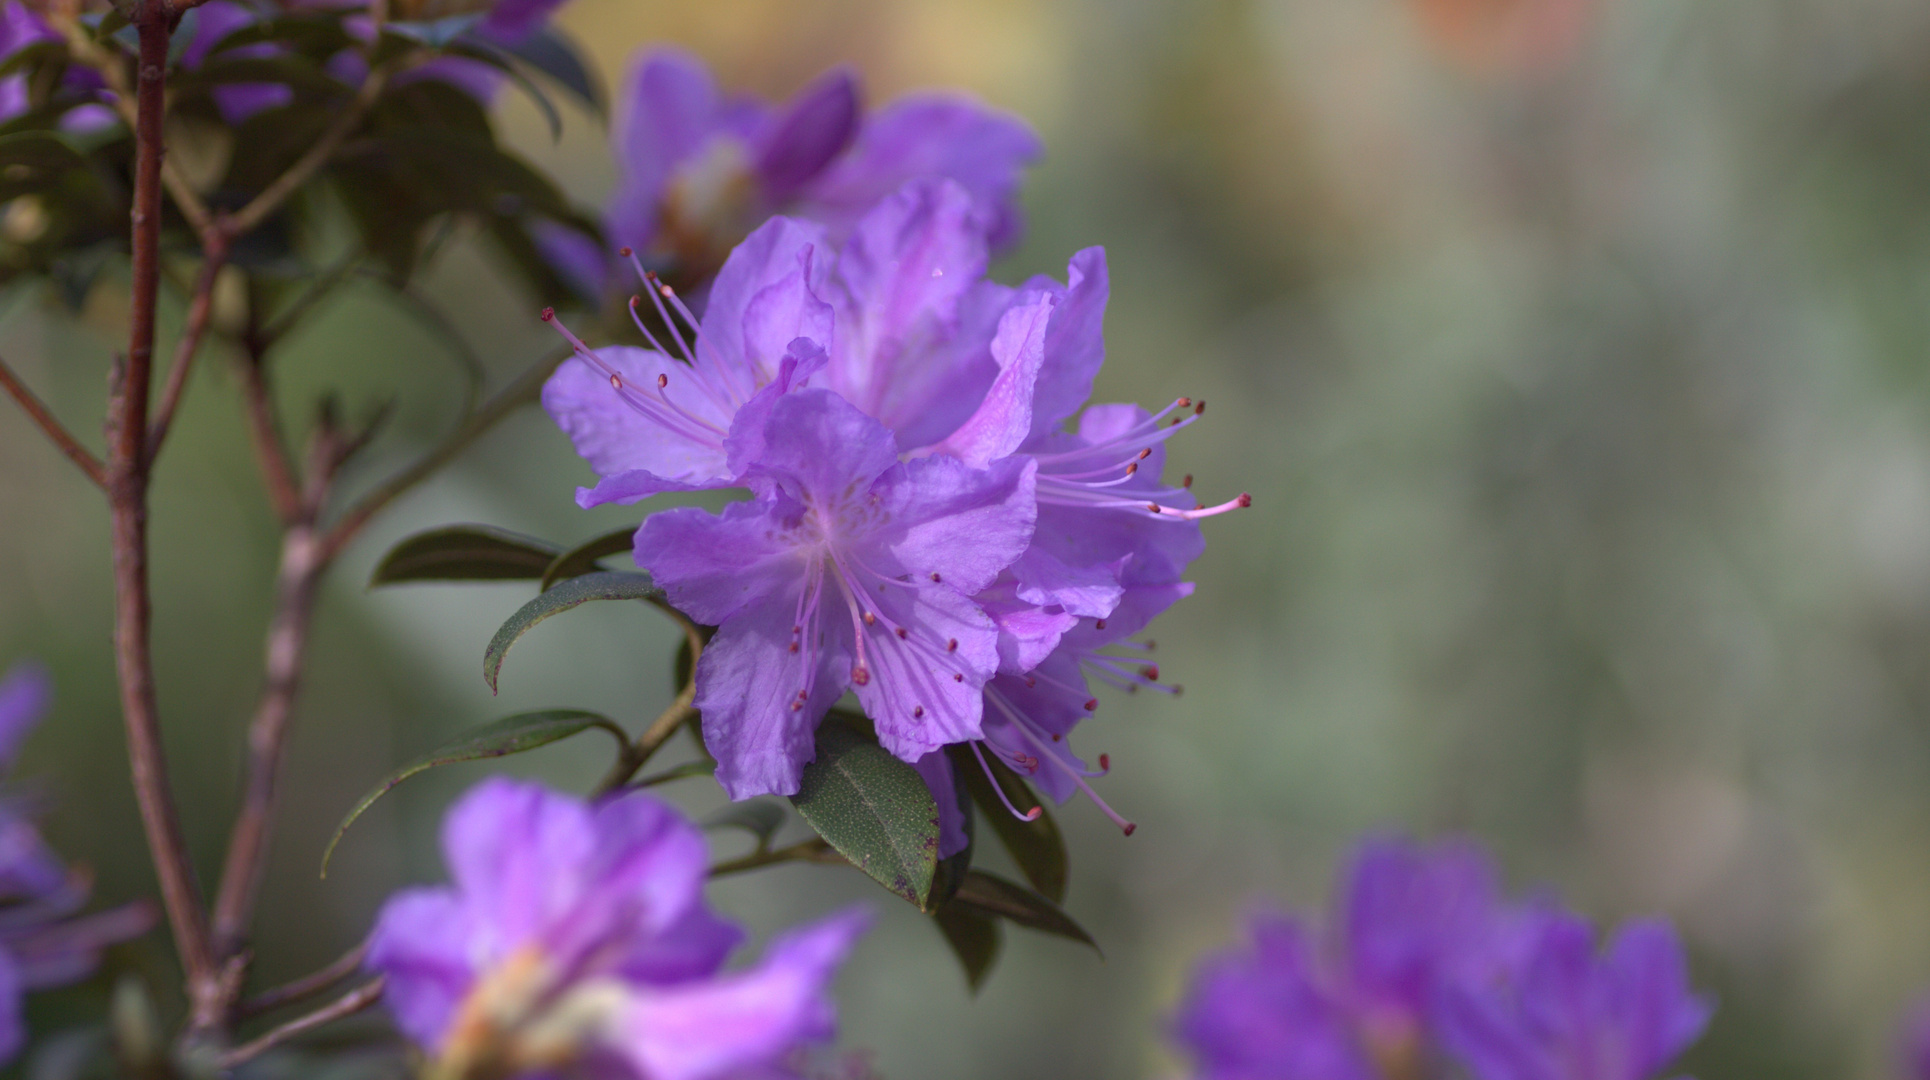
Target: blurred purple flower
[[82, 87], [850, 570], [1913, 1044], [576, 934], [699, 170], [214, 21], [43, 942], [1424, 966]]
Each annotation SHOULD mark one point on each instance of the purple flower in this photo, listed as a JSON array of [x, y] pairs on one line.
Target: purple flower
[[81, 87], [1913, 1045], [1569, 1013], [850, 570], [698, 170], [236, 102], [43, 942], [576, 933], [1424, 966]]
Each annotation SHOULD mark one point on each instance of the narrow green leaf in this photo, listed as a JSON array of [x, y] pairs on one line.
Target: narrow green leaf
[[874, 809], [1037, 846], [582, 558], [464, 553], [549, 52], [605, 585], [989, 894], [483, 52], [510, 735], [974, 938], [759, 817]]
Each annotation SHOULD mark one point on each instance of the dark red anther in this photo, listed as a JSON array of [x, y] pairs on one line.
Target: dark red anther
[[951, 644], [903, 633], [1132, 468], [1105, 762], [793, 646], [1154, 507], [1200, 409], [1057, 737], [1146, 453], [1092, 704], [1245, 499], [861, 675], [1030, 682], [935, 578], [663, 381], [1129, 828], [616, 382], [549, 314], [624, 252], [917, 711], [1187, 481], [956, 677], [1185, 402], [1098, 624], [1151, 671], [870, 619]]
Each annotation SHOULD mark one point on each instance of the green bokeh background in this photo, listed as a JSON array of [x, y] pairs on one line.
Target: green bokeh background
[[1573, 351]]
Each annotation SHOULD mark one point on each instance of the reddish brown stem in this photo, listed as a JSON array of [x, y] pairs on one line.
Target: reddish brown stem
[[63, 440], [214, 249], [127, 476], [347, 1005], [307, 986]]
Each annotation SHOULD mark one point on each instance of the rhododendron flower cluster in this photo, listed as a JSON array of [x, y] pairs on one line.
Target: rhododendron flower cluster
[[575, 935], [1425, 971], [924, 528]]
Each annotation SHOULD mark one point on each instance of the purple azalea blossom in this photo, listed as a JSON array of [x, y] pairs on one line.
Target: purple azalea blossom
[[1426, 972], [850, 570], [20, 28], [698, 170], [1569, 1013], [43, 942], [576, 934], [236, 102]]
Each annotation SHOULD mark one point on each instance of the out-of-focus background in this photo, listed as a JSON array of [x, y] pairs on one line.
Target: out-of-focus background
[[1574, 352]]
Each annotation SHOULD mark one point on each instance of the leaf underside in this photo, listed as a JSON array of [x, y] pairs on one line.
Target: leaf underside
[[465, 553], [874, 810]]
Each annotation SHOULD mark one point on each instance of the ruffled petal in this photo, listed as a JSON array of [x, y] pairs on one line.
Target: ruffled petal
[[748, 685]]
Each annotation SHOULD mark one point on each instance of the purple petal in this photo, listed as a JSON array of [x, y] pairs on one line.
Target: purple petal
[[782, 312], [1004, 418], [510, 21], [898, 287], [1028, 633], [963, 524], [422, 943], [28, 867], [1411, 916], [820, 448], [580, 260], [521, 849], [1046, 580], [914, 703], [748, 681], [13, 1022], [936, 769], [679, 438], [930, 136], [668, 109], [1663, 1016], [816, 127], [635, 486], [716, 565], [1075, 343], [26, 693], [767, 257], [710, 1030], [803, 359]]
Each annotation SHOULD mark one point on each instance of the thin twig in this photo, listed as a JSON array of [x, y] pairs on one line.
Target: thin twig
[[200, 308], [347, 1005], [527, 387], [264, 431], [307, 986], [127, 494], [812, 850], [62, 439], [666, 723]]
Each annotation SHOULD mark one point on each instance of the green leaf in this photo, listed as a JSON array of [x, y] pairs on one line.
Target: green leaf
[[465, 553], [974, 938], [1036, 846], [605, 585], [759, 817], [483, 52], [582, 558], [874, 809], [553, 54], [436, 33], [510, 735], [989, 894]]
